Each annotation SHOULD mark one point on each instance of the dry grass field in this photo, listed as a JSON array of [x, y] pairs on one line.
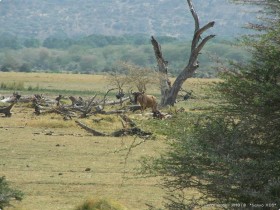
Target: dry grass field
[[81, 82], [58, 165]]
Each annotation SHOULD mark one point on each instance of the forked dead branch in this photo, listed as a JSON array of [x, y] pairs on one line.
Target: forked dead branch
[[169, 92]]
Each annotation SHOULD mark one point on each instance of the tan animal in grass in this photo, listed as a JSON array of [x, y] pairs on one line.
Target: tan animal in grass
[[145, 101]]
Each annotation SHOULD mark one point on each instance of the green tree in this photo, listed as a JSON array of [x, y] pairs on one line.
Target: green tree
[[25, 67], [7, 193], [231, 155], [31, 43], [9, 41], [10, 62], [87, 62]]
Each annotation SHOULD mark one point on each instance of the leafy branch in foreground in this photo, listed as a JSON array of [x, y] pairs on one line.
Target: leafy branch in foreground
[[7, 193]]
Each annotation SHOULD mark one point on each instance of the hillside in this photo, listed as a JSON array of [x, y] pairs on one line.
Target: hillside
[[44, 18]]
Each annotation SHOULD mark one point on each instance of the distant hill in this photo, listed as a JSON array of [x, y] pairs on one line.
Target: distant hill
[[71, 18]]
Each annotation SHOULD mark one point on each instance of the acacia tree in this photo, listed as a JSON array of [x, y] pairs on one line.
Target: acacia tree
[[117, 80], [170, 92], [131, 76], [137, 76]]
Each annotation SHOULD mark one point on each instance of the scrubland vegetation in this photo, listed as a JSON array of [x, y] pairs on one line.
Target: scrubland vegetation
[[218, 148]]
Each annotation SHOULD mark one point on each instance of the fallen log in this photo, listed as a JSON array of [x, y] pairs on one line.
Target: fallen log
[[134, 108], [90, 130], [133, 131], [64, 111], [11, 99], [158, 115], [120, 101], [87, 108], [76, 102], [114, 112], [7, 110], [127, 120]]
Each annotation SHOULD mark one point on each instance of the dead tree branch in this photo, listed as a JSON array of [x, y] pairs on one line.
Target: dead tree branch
[[90, 130], [7, 110], [170, 92], [131, 131]]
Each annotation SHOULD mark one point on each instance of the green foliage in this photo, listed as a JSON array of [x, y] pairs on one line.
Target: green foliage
[[31, 43], [5, 68], [9, 41], [88, 55], [9, 62], [25, 68], [220, 158], [55, 43], [100, 204], [230, 155], [7, 193]]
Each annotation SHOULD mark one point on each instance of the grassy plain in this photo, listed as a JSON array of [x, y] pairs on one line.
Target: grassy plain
[[58, 165]]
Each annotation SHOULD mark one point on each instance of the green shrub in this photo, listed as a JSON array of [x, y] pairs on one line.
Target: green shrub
[[25, 67], [100, 204], [31, 88], [7, 193]]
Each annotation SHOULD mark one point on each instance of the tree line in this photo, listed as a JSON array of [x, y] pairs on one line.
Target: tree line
[[99, 53]]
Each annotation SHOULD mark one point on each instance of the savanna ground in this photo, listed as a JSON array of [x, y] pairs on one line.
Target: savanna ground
[[58, 165]]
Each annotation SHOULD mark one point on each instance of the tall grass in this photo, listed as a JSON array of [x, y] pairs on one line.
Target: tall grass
[[12, 86], [53, 122], [19, 86]]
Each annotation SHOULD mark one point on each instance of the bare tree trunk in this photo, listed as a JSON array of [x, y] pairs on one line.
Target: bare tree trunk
[[169, 92]]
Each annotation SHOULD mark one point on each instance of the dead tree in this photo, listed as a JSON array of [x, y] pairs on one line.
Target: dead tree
[[79, 107], [76, 102], [7, 110], [170, 92], [14, 98], [129, 129]]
